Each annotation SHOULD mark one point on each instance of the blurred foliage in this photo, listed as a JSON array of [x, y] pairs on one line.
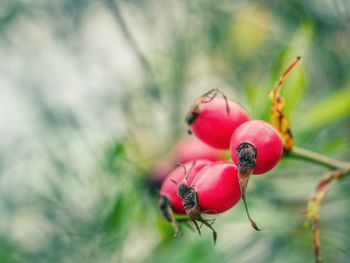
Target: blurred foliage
[[91, 97]]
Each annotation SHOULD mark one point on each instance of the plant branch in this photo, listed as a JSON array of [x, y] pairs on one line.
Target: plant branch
[[314, 206], [320, 159], [316, 237]]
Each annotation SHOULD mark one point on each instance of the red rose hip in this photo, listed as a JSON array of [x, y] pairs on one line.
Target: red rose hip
[[191, 148], [169, 186], [217, 187], [256, 145], [169, 201], [214, 189], [214, 119], [187, 149]]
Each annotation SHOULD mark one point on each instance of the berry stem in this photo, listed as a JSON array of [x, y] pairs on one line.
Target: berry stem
[[320, 159]]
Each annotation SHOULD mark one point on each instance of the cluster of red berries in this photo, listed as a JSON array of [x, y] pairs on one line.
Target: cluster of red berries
[[187, 149], [209, 186]]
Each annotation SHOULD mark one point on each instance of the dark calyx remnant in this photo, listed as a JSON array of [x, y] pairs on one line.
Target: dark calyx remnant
[[189, 196], [164, 205], [168, 213], [246, 154], [190, 203], [191, 117], [207, 97]]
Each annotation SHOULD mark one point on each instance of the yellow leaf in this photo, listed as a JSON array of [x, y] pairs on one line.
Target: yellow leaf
[[278, 120]]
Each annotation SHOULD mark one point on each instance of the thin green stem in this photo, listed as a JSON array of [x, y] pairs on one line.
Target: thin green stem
[[317, 158]]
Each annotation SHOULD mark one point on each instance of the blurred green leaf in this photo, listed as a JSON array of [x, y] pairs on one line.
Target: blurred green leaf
[[335, 145], [119, 149], [258, 97], [331, 109], [294, 88], [115, 216], [165, 229], [6, 254], [114, 155]]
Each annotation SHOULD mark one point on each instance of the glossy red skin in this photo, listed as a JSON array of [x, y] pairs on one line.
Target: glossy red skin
[[191, 148], [217, 186], [214, 125], [187, 149], [265, 138], [169, 188]]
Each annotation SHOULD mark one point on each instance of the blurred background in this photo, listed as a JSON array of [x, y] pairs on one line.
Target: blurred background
[[93, 95]]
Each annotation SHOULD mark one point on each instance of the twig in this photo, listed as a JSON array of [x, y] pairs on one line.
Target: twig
[[316, 236], [320, 159], [314, 205]]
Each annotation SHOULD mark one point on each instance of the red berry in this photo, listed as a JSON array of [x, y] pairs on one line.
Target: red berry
[[191, 148], [169, 186], [214, 121], [214, 189], [187, 149], [217, 187], [256, 145]]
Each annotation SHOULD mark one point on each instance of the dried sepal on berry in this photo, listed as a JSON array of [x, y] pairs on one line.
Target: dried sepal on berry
[[246, 154]]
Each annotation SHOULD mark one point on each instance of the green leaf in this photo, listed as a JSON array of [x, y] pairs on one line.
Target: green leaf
[[119, 149], [113, 154], [331, 109], [334, 146], [117, 214], [6, 253], [257, 96], [165, 229], [294, 89]]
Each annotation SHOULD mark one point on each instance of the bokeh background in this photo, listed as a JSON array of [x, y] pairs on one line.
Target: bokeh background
[[94, 93]]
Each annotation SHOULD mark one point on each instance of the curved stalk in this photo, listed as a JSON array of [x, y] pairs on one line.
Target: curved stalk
[[317, 158]]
